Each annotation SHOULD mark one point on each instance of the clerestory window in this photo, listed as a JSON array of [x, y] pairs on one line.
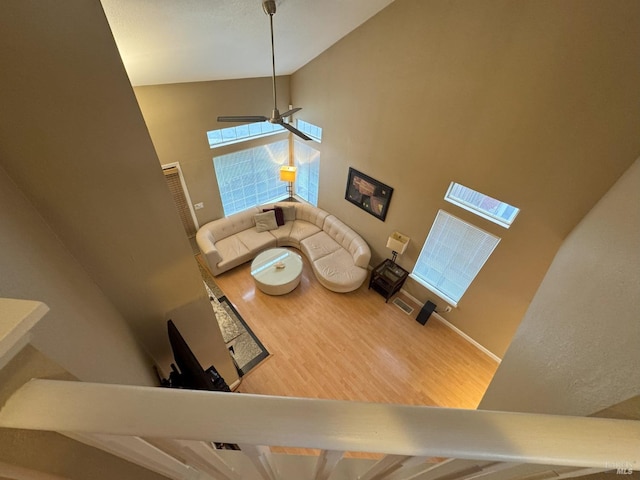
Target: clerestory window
[[310, 130], [483, 205], [241, 133]]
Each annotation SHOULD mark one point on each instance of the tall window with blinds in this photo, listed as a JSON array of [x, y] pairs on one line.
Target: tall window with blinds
[[452, 256]]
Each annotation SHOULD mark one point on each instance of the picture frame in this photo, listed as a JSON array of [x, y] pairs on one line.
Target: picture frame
[[368, 193]]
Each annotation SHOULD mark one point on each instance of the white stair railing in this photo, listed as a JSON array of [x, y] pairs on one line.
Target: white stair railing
[[170, 431], [141, 423]]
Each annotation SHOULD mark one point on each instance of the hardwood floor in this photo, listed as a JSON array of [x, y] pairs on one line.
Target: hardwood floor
[[353, 346]]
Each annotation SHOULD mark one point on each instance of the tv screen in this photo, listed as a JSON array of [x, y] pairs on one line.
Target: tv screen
[[192, 375]]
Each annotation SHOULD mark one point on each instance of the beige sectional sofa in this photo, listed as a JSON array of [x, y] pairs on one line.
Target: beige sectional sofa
[[338, 255]]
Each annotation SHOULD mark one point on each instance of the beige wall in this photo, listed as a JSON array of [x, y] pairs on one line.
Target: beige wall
[[83, 332], [180, 115], [74, 141], [576, 351], [87, 223], [532, 102]]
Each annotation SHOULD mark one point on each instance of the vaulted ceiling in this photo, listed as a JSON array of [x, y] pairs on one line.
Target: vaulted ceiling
[[175, 41]]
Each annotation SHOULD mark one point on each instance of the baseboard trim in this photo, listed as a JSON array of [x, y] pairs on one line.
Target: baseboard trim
[[479, 346]]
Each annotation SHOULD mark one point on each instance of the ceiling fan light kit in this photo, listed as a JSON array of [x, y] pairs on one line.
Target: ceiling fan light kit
[[269, 7]]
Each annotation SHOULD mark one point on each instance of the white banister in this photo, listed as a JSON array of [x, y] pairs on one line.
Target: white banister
[[324, 424], [140, 452], [17, 318], [577, 472], [202, 456], [260, 456], [327, 461], [384, 467], [456, 469]]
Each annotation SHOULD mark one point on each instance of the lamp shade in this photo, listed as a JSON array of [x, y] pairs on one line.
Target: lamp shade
[[398, 242], [288, 173]]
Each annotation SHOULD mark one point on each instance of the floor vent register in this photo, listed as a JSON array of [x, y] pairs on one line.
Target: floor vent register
[[403, 306]]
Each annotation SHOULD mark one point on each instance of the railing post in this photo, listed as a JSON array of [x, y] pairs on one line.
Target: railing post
[[384, 467], [327, 461], [260, 456]]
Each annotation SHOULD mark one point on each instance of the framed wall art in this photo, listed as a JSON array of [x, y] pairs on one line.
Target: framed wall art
[[367, 193]]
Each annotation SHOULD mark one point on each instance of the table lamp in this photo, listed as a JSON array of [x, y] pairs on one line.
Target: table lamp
[[397, 243]]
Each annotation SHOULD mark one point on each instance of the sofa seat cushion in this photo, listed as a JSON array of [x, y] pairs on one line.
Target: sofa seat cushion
[[349, 240], [256, 241], [232, 249], [282, 234], [301, 229], [338, 273], [318, 245]]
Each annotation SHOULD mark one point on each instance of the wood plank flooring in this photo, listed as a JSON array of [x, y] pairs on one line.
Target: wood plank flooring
[[353, 346]]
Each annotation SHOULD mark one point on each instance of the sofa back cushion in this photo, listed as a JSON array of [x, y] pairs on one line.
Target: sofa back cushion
[[349, 240], [232, 224], [310, 214]]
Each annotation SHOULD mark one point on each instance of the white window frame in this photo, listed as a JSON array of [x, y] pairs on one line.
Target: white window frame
[[436, 254], [312, 131], [309, 165], [243, 133], [475, 206]]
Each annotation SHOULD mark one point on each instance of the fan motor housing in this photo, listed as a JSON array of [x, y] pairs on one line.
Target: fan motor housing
[[269, 7]]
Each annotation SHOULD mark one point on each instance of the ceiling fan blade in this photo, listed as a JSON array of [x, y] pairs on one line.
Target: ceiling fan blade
[[290, 112], [269, 7], [243, 119], [295, 131]]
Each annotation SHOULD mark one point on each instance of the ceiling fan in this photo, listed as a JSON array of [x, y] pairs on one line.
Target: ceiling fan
[[269, 7]]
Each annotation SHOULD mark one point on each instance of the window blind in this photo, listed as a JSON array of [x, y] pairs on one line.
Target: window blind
[[452, 256], [172, 176]]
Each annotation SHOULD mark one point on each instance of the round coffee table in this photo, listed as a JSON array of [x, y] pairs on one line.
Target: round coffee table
[[277, 271]]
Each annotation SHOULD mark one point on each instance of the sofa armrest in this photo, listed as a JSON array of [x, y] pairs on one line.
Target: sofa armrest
[[206, 244], [362, 255]]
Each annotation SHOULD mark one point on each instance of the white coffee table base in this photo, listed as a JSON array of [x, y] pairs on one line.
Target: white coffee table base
[[277, 281]]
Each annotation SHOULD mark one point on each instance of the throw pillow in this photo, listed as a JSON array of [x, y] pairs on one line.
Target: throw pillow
[[279, 214], [289, 213], [266, 221]]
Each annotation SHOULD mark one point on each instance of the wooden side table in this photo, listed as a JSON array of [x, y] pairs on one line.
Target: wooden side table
[[387, 278]]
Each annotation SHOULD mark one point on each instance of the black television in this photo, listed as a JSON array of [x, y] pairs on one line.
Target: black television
[[190, 373]]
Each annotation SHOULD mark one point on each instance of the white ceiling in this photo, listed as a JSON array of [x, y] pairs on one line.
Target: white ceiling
[[174, 41]]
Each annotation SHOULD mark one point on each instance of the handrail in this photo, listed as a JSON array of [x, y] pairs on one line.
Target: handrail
[[325, 424], [17, 320]]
